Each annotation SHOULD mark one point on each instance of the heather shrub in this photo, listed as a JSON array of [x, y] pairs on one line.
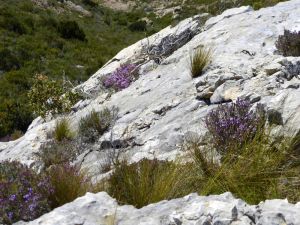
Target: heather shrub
[[288, 44], [231, 125], [121, 78], [148, 181], [95, 124], [49, 96], [55, 153], [62, 130], [68, 183], [199, 60], [23, 193]]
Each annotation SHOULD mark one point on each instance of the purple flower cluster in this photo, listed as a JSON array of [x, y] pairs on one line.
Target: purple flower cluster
[[232, 124], [23, 193], [121, 78]]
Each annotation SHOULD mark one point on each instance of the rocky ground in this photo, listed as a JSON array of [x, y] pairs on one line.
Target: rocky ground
[[222, 209], [165, 104]]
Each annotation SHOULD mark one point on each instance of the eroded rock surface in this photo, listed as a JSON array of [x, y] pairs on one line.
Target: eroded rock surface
[[101, 209], [165, 103]]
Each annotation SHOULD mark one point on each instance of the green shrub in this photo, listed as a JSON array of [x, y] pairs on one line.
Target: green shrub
[[71, 30], [199, 60], [288, 44], [139, 25], [48, 96], [148, 181], [95, 124], [62, 130]]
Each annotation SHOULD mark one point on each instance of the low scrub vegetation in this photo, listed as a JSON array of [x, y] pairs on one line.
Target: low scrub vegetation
[[23, 193], [50, 97], [55, 153], [233, 124], [95, 124], [199, 60], [288, 44]]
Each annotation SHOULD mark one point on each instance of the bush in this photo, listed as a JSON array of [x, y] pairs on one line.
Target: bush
[[55, 153], [48, 96], [23, 193], [139, 25], [16, 135], [233, 124], [199, 60], [71, 30], [121, 78], [68, 183], [95, 124], [147, 181], [288, 44], [62, 130]]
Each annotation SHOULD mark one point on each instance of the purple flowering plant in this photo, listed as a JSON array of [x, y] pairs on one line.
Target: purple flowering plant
[[121, 78], [231, 125], [23, 193]]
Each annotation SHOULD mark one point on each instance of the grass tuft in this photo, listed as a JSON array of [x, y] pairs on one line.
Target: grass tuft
[[199, 60], [146, 181], [62, 130]]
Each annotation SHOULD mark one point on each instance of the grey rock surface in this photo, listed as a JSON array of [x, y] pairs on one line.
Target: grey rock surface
[[224, 209], [165, 103]]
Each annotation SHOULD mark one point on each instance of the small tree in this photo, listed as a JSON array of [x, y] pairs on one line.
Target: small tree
[[49, 96]]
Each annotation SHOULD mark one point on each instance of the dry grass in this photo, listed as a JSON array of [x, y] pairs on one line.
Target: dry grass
[[199, 60]]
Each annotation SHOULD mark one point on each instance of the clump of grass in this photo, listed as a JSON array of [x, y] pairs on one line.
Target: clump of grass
[[62, 130], [199, 60], [146, 182], [95, 124], [68, 183]]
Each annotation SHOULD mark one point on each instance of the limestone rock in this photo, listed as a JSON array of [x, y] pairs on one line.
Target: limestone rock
[[224, 209]]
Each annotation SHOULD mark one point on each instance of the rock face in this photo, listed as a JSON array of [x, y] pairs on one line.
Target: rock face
[[165, 104], [100, 209]]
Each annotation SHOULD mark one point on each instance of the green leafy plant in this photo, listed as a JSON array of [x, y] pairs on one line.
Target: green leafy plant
[[49, 96], [62, 130], [199, 60]]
